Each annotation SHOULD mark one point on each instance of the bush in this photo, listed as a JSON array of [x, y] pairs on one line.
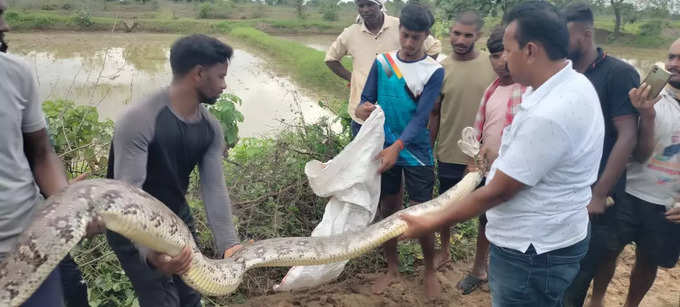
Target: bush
[[329, 12], [204, 10], [48, 7], [107, 284], [83, 19], [215, 11], [269, 192], [41, 22], [650, 33], [11, 16], [259, 11], [79, 137], [225, 111], [652, 27]]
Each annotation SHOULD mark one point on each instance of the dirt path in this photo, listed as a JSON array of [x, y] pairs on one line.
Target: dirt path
[[356, 291]]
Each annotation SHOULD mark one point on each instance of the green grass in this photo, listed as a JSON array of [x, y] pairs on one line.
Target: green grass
[[171, 16], [52, 20], [305, 65]]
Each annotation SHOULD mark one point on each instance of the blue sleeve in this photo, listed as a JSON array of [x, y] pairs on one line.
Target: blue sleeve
[[425, 104], [370, 92]]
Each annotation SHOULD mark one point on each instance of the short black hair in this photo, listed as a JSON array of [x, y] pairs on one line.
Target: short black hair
[[190, 51], [470, 18], [579, 12], [416, 17], [495, 42], [540, 22]]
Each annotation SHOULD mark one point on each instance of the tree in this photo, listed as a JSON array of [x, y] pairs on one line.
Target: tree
[[300, 8], [623, 13], [395, 6], [485, 7], [618, 7]]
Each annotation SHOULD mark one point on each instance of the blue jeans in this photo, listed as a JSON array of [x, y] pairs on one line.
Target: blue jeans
[[528, 279]]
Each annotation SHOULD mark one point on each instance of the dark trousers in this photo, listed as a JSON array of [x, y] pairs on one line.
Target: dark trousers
[[605, 241], [75, 291], [531, 280], [152, 287], [355, 128], [449, 174], [49, 294]]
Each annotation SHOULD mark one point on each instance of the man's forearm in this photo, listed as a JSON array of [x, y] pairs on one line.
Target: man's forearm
[[48, 170], [615, 166], [501, 189], [49, 174], [339, 70], [645, 141]]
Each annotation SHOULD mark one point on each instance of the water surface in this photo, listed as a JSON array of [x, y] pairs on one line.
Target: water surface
[[112, 70]]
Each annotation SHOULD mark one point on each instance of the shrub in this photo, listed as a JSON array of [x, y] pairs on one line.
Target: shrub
[[48, 7], [269, 192], [204, 10], [652, 27], [650, 33], [83, 19], [329, 12], [78, 136], [225, 111], [215, 11], [11, 16]]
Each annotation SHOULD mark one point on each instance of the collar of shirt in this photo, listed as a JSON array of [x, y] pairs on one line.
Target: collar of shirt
[[386, 25], [672, 93], [532, 97]]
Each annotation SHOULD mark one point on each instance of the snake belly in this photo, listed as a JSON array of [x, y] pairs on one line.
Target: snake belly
[[59, 224]]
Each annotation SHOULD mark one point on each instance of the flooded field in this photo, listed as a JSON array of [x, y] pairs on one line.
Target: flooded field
[[112, 71]]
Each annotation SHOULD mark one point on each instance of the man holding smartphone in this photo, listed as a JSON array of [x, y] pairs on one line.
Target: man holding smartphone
[[649, 213]]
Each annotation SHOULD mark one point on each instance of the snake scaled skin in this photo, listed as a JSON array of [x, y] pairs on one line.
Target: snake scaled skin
[[59, 224]]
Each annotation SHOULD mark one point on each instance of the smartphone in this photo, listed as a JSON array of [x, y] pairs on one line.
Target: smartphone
[[657, 79]]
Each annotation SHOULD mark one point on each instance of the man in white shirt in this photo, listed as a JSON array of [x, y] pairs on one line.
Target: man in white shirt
[[539, 186], [647, 213], [374, 34]]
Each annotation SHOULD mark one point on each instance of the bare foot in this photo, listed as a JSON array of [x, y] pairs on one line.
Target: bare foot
[[432, 287], [384, 281], [441, 258]]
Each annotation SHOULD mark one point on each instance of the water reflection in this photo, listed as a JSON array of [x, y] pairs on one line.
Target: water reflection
[[113, 72], [319, 42]]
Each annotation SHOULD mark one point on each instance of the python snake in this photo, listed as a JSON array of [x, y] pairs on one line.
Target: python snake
[[59, 224]]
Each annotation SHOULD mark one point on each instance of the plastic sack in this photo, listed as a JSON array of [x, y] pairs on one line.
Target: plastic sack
[[352, 182]]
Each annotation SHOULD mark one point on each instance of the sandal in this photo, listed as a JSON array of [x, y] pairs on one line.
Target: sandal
[[470, 284]]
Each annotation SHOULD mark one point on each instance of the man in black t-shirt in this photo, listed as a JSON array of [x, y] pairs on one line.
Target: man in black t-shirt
[[156, 145], [613, 79]]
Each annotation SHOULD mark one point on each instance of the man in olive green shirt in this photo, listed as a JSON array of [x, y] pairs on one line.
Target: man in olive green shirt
[[468, 74]]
